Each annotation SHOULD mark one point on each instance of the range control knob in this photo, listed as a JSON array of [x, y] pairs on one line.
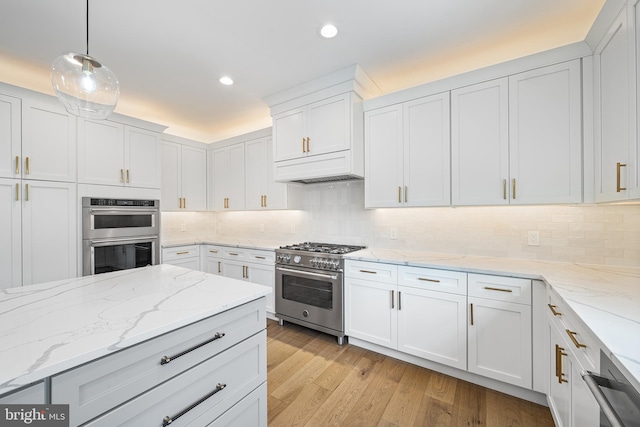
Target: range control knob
[[296, 259]]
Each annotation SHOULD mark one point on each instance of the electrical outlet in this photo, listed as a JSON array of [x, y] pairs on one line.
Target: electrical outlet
[[183, 227], [394, 233], [533, 238]]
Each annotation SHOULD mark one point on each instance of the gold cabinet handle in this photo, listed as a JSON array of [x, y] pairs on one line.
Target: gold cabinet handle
[[260, 257], [553, 310], [304, 149], [184, 202], [233, 253], [17, 192], [368, 271], [26, 192], [504, 189], [399, 194], [121, 175], [219, 267], [17, 165], [179, 202], [575, 341], [393, 299], [27, 167], [213, 252], [308, 144], [424, 279], [489, 288], [265, 200], [559, 353], [513, 188], [471, 313], [127, 176], [619, 188], [182, 253], [405, 193], [399, 300]]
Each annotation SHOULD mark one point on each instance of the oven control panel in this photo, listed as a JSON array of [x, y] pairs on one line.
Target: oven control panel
[[315, 261]]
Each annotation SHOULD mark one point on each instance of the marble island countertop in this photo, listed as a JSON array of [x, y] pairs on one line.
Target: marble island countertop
[[51, 327], [606, 298]]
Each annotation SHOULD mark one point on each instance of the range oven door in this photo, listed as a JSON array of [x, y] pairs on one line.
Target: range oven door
[[311, 296], [106, 255]]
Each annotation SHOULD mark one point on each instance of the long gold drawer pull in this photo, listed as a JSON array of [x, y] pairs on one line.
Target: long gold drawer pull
[[471, 312], [27, 168], [557, 361], [168, 420], [393, 299], [489, 288], [213, 252], [553, 310], [17, 192], [513, 189], [559, 353], [260, 257], [575, 341], [424, 279], [233, 253], [504, 189], [166, 359], [17, 165], [368, 271], [182, 253], [619, 187]]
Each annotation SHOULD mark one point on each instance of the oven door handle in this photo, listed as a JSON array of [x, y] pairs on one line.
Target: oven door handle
[[594, 382], [123, 211], [308, 273], [104, 242]]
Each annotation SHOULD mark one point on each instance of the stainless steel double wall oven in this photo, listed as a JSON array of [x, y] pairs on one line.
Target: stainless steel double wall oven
[[119, 234]]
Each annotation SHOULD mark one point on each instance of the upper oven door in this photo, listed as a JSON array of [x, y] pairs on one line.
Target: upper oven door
[[111, 222]]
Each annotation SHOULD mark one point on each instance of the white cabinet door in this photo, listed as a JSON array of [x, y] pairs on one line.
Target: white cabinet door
[[289, 129], [370, 312], [49, 231], [264, 275], [234, 269], [545, 137], [142, 158], [383, 157], [479, 144], [171, 194], [614, 103], [194, 178], [433, 325], [278, 195], [427, 152], [329, 125], [10, 137], [101, 152], [500, 340], [214, 266], [228, 178], [559, 395], [48, 142], [256, 173], [10, 233]]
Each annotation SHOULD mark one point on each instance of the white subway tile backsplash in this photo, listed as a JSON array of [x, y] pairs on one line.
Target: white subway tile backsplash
[[334, 212]]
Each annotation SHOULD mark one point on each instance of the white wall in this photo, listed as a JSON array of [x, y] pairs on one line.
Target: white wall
[[334, 212]]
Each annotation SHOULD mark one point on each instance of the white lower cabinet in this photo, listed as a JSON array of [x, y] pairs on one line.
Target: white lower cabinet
[[253, 265], [193, 374], [250, 411], [406, 309], [32, 395], [182, 256], [499, 331], [212, 259]]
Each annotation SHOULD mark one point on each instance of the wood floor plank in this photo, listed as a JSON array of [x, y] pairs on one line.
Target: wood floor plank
[[468, 405], [403, 408], [303, 407], [335, 374], [442, 387]]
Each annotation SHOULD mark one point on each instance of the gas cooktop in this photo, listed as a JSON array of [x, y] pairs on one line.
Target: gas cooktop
[[324, 248]]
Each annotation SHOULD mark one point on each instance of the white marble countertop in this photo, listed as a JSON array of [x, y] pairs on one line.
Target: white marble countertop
[[236, 243], [51, 327], [607, 299]]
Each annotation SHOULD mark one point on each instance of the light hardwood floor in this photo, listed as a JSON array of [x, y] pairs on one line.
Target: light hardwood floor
[[314, 382]]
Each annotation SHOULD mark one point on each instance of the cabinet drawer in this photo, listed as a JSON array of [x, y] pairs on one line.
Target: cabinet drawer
[[225, 379], [261, 257], [234, 253], [96, 387], [180, 252], [581, 340], [371, 271], [213, 251], [33, 394], [250, 411], [500, 288], [436, 280]]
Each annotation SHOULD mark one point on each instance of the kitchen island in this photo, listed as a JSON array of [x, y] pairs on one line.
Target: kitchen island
[[163, 313]]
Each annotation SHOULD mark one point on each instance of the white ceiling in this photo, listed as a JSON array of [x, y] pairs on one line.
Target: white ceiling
[[169, 54]]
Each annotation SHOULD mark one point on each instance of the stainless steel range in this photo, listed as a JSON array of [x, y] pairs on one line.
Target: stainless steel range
[[310, 286]]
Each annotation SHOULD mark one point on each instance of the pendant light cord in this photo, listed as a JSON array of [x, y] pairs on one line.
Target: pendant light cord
[[87, 27]]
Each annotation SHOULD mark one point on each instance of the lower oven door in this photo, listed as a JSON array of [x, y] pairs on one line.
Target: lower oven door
[[312, 296], [106, 255]]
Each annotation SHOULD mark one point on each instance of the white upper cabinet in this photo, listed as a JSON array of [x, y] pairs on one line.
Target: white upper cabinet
[[227, 178], [10, 137], [480, 144], [184, 177], [111, 153], [10, 233], [518, 140], [262, 192], [407, 154], [48, 142], [615, 118], [545, 135]]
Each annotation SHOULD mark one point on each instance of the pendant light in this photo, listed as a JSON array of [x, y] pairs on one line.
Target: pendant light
[[85, 87]]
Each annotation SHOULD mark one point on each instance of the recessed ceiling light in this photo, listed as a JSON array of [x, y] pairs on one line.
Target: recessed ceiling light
[[226, 81], [328, 31]]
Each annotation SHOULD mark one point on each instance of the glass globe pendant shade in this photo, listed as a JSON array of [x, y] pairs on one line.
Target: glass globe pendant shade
[[85, 87]]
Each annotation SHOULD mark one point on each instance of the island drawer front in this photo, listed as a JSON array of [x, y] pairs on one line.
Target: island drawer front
[[240, 369], [98, 386], [180, 252], [250, 411], [569, 324], [499, 288], [371, 271], [453, 282], [32, 394], [213, 251]]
